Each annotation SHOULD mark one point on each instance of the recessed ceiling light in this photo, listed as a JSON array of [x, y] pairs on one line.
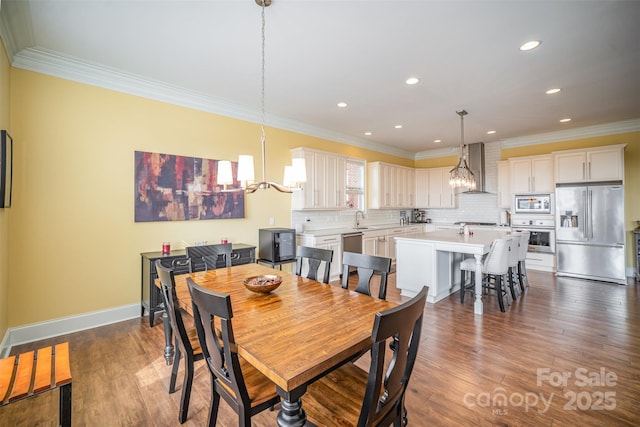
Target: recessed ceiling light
[[552, 91], [398, 126], [565, 120], [412, 80], [491, 132], [437, 141], [530, 45], [368, 133], [342, 104]]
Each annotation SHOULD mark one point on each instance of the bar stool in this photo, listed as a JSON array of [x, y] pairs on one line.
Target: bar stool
[[514, 253], [494, 269], [522, 256]]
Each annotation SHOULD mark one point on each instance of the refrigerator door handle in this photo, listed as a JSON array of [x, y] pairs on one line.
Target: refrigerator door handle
[[590, 212], [584, 216]]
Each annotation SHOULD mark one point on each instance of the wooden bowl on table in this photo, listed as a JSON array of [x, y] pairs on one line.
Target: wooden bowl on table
[[262, 284]]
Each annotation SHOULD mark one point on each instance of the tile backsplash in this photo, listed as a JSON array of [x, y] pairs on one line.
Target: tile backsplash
[[481, 207]]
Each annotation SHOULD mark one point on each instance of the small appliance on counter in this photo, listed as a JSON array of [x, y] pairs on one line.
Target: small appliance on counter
[[419, 216], [277, 244]]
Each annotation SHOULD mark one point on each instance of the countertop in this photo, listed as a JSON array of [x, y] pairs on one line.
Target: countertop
[[375, 227]]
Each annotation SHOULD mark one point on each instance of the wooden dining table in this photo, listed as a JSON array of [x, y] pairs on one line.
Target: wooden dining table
[[295, 334]]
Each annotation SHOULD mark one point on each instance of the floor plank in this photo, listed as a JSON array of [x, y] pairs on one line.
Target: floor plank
[[466, 364]]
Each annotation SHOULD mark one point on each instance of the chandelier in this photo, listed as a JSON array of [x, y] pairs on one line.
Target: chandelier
[[295, 174], [461, 175]]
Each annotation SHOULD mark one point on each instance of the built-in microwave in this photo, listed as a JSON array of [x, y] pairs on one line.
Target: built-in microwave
[[533, 204]]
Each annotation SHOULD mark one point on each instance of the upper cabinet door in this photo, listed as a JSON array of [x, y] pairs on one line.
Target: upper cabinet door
[[532, 174], [590, 165], [606, 164], [422, 188]]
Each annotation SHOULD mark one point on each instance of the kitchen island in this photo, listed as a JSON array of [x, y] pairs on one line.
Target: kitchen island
[[433, 259]]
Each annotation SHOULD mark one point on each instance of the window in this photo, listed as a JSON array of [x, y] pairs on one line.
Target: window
[[354, 183]]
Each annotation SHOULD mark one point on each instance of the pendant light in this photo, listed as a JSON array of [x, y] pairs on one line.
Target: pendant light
[[461, 175], [295, 175]]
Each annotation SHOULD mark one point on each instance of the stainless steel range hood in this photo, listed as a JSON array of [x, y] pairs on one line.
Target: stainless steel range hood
[[475, 161]]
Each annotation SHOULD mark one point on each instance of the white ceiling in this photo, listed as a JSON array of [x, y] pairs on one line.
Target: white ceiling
[[206, 54]]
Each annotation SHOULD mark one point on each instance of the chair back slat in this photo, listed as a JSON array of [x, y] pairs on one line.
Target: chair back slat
[[170, 298], [221, 355], [315, 257], [385, 390], [206, 257], [367, 266]]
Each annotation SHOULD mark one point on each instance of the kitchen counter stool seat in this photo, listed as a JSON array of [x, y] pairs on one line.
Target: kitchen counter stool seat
[[494, 269]]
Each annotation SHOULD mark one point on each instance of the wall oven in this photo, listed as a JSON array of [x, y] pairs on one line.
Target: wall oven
[[543, 233], [533, 204]]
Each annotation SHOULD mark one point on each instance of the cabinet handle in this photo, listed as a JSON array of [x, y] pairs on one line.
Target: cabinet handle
[[584, 171], [529, 185], [589, 175]]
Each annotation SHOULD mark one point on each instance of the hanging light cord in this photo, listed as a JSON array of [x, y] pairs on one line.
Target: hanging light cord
[[264, 184], [262, 73]]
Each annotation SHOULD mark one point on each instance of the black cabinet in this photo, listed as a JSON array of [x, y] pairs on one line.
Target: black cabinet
[[151, 296]]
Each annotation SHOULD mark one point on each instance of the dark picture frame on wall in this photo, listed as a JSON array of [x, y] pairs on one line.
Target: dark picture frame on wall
[[169, 187], [6, 168]]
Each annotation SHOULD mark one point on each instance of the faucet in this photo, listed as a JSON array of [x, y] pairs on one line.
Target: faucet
[[358, 222]]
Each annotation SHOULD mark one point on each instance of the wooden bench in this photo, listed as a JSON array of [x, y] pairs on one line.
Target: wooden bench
[[34, 372]]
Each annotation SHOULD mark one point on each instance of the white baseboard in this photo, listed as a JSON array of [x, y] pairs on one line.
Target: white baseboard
[[66, 325]]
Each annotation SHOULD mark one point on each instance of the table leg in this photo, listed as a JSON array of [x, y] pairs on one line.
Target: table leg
[[168, 333], [477, 307], [291, 413]]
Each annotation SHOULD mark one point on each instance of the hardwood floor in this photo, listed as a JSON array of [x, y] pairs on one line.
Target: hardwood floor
[[566, 353]]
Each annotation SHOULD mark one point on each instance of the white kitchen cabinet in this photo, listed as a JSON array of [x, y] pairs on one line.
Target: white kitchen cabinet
[[590, 165], [441, 195], [325, 186], [375, 242], [532, 174], [332, 242], [395, 232], [390, 186], [422, 188], [504, 185]]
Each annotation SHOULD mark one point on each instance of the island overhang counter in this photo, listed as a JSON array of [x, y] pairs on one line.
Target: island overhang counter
[[433, 259]]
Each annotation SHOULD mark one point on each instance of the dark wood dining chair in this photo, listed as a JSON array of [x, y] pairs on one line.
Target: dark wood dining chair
[[241, 385], [314, 257], [366, 266], [205, 257], [351, 396], [186, 339]]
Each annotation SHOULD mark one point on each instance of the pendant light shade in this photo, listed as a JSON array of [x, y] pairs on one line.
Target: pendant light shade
[[461, 175]]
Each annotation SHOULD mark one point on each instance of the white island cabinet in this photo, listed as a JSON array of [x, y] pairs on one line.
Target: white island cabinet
[[432, 259]]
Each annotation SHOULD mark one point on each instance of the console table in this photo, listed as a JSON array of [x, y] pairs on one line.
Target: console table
[[177, 259]]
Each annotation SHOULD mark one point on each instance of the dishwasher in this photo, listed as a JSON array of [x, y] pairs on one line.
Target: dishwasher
[[352, 242]]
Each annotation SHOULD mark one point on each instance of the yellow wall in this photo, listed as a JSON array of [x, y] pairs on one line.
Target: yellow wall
[[4, 213], [73, 246], [631, 172]]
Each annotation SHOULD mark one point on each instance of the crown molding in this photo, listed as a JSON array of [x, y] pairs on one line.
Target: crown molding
[[438, 152], [54, 64], [571, 134]]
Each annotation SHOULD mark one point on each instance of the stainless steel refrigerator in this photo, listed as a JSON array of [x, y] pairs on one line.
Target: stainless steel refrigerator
[[590, 241]]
